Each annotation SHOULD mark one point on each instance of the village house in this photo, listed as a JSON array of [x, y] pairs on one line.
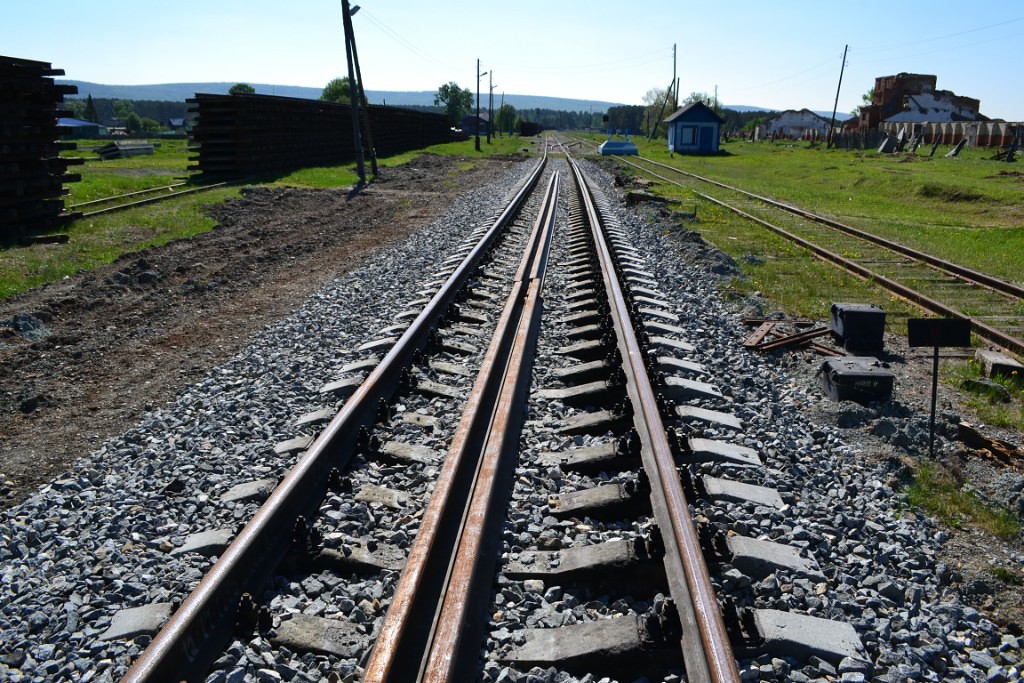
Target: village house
[[694, 129], [797, 124]]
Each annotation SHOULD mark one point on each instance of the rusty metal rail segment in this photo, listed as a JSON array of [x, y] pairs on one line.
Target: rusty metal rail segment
[[707, 653], [927, 303], [448, 572], [184, 649], [984, 279], [148, 200]]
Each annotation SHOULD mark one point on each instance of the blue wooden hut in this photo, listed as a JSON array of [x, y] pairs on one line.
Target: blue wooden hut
[[694, 129]]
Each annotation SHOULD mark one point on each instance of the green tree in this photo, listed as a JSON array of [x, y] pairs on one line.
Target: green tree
[[241, 89], [132, 122], [76, 108], [90, 110], [505, 119], [457, 102], [658, 106], [150, 125], [337, 90], [122, 108], [866, 100]]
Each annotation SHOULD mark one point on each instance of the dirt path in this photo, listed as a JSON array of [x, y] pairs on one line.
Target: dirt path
[[94, 351]]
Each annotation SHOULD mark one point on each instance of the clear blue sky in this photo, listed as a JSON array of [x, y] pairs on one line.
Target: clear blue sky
[[781, 54]]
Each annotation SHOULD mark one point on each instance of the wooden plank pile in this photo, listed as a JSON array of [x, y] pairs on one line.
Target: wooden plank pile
[[772, 335], [120, 149], [32, 172], [242, 136]]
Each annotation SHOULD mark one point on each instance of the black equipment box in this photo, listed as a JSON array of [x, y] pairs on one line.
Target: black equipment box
[[856, 378], [860, 327]]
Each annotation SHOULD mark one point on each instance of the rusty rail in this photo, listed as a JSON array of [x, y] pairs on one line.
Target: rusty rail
[[147, 200], [975, 276], [929, 304], [434, 626], [193, 638], [707, 653]]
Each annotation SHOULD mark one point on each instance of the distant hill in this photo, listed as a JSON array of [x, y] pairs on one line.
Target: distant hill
[[179, 92]]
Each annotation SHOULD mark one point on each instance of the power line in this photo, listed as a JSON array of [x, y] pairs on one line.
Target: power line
[[952, 48], [902, 44]]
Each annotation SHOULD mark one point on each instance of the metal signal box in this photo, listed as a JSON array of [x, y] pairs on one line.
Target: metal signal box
[[860, 328]]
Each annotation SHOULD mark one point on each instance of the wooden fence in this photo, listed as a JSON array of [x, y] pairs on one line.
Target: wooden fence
[[243, 136], [32, 172], [977, 133]]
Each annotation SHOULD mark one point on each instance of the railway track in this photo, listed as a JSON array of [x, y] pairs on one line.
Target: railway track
[[130, 200], [638, 441], [994, 306], [272, 520]]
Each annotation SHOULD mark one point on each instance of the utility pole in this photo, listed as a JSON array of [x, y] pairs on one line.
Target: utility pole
[[368, 129], [477, 126], [832, 128], [490, 104], [353, 93], [502, 108], [675, 94]]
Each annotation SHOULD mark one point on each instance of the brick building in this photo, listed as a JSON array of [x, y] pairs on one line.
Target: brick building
[[914, 97]]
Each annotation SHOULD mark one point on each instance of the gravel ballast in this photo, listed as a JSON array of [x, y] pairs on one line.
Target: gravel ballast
[[99, 538]]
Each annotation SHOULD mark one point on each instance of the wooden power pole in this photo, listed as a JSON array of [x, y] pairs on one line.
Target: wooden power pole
[[832, 129]]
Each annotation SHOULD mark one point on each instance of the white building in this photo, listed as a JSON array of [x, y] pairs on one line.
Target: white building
[[797, 124]]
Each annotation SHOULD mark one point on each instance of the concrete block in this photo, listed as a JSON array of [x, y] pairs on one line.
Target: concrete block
[[592, 393], [596, 422], [451, 368], [250, 490], [681, 388], [137, 621], [391, 498], [994, 363], [739, 492], [322, 416], [342, 388], [757, 558], [602, 456], [681, 365], [713, 417], [658, 314], [710, 450], [801, 636], [304, 633], [299, 443], [383, 344], [659, 342], [411, 453], [208, 543]]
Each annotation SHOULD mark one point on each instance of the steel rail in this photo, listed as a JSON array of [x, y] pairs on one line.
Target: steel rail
[[462, 617], [190, 641], [104, 200], [925, 302], [413, 620], [707, 654], [979, 278], [151, 200]]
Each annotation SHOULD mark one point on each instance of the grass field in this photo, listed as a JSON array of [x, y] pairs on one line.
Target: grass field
[[99, 240], [101, 179]]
